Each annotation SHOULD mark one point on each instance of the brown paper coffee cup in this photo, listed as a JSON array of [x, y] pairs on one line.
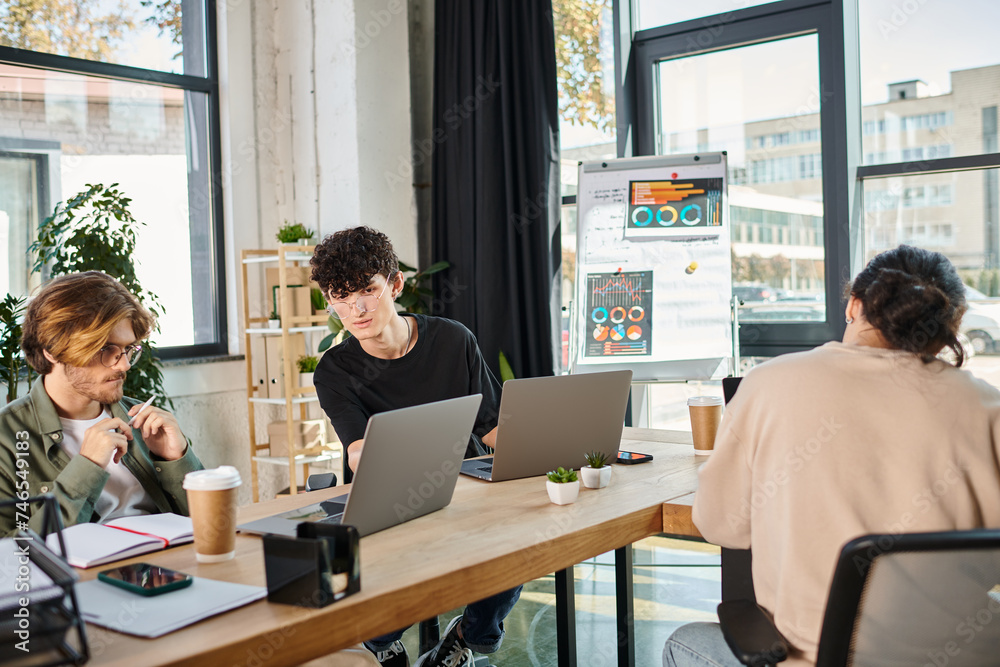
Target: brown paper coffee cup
[[706, 413], [211, 498]]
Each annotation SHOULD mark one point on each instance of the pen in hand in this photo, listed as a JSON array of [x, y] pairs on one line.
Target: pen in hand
[[144, 406]]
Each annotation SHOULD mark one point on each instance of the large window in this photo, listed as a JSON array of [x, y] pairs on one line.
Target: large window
[[930, 147], [759, 81], [72, 114], [919, 103], [585, 59], [852, 136], [775, 163]]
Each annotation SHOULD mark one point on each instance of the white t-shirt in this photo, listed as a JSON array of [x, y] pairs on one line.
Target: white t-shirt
[[123, 495]]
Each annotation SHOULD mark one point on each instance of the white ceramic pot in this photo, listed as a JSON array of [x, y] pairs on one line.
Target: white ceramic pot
[[595, 478], [563, 494], [274, 324], [305, 379]]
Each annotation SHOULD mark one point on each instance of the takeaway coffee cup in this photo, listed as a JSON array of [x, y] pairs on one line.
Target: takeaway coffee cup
[[211, 498], [706, 412]]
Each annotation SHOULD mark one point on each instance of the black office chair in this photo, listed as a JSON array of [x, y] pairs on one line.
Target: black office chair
[[737, 574], [912, 599]]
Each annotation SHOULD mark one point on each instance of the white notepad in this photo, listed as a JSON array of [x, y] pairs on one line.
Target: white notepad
[[117, 609], [90, 544]]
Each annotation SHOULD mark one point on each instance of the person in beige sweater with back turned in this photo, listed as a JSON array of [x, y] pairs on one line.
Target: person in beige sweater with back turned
[[871, 435]]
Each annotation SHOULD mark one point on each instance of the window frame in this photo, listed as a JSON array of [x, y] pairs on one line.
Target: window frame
[[208, 85], [840, 129]]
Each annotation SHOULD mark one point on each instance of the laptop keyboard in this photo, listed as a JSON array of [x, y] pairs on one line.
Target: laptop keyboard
[[334, 509], [482, 465]]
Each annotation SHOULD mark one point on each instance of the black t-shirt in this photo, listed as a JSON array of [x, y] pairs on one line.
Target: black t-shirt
[[444, 363]]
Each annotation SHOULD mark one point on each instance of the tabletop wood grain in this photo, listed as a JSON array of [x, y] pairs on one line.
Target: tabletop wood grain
[[493, 536]]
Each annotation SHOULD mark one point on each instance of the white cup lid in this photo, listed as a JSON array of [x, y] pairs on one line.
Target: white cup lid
[[213, 479], [705, 400]]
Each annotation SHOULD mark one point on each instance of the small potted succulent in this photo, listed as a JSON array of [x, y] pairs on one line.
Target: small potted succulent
[[294, 233], [274, 321], [307, 365], [597, 473], [317, 301], [562, 485]]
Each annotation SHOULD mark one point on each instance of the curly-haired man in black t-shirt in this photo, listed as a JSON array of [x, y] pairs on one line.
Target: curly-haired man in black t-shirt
[[396, 360]]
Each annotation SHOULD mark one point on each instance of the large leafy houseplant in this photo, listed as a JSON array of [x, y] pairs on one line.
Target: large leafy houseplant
[[96, 231]]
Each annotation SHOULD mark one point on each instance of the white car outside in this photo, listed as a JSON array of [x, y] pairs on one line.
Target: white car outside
[[981, 323]]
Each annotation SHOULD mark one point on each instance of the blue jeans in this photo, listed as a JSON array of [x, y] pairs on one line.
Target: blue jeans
[[697, 645], [482, 624]]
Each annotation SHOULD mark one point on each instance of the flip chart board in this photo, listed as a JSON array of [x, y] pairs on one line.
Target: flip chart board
[[653, 268]]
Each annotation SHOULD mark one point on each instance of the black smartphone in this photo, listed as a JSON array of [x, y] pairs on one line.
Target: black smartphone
[[631, 458], [145, 579]]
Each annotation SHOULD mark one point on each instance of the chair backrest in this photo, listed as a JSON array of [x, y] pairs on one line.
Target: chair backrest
[[729, 387], [737, 564], [915, 599]]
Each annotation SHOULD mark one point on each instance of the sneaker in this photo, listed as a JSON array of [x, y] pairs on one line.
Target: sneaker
[[451, 651], [394, 656]]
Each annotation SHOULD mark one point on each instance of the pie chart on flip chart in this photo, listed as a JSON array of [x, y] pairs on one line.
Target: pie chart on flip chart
[[618, 313]]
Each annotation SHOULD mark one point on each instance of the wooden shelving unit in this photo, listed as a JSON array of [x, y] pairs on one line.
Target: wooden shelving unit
[[294, 398]]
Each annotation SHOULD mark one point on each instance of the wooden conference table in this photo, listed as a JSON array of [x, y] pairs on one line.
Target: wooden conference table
[[492, 537]]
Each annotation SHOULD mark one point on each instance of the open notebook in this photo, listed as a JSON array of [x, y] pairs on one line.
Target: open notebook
[[90, 544]]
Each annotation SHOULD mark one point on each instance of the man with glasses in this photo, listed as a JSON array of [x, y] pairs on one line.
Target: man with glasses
[[396, 360], [75, 435]]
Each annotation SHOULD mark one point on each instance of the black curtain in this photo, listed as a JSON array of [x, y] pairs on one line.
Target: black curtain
[[495, 210]]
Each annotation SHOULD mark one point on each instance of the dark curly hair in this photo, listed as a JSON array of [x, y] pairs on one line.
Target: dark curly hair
[[915, 299], [346, 261]]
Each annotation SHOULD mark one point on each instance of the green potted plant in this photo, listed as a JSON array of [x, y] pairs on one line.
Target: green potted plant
[[414, 298], [597, 473], [562, 485], [294, 233], [11, 359], [317, 300], [307, 366], [96, 231], [274, 321]]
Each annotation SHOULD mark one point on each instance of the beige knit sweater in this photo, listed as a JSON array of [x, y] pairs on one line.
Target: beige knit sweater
[[820, 447]]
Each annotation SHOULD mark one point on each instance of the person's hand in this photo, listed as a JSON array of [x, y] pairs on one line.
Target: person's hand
[[490, 439], [106, 440], [160, 431], [354, 454]]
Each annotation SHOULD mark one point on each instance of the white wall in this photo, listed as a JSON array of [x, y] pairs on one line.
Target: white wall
[[315, 103]]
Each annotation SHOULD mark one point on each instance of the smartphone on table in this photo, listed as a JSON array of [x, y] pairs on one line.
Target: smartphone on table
[[145, 579], [631, 458]]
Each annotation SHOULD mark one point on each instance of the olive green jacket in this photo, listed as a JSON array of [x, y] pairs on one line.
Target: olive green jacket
[[32, 463]]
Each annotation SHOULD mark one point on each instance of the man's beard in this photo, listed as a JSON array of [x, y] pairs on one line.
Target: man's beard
[[85, 384]]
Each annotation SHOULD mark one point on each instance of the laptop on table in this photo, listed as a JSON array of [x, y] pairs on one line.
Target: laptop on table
[[408, 468], [554, 421]]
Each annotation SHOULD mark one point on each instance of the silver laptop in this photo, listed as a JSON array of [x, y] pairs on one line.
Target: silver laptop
[[553, 421], [408, 468]]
